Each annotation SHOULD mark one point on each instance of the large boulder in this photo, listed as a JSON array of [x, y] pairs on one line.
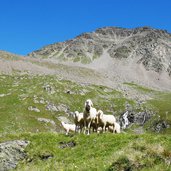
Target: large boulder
[[11, 152]]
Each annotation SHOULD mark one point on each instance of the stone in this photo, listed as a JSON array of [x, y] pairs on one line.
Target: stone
[[160, 126], [59, 107], [130, 117], [63, 118], [46, 121], [11, 152], [51, 107], [33, 108], [63, 108], [67, 144]]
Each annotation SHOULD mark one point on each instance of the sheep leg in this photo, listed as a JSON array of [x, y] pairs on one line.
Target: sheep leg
[[81, 128], [85, 130], [79, 131], [113, 128], [89, 128], [104, 127], [85, 127], [75, 128], [96, 127]]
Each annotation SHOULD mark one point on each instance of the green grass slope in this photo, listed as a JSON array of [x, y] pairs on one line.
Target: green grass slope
[[110, 152]]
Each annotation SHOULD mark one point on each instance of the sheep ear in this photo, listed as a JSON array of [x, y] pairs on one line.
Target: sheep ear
[[91, 104]]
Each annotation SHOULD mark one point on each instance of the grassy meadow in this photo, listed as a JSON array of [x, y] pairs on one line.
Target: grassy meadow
[[125, 151]]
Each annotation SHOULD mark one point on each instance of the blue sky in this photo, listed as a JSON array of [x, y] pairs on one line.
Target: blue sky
[[27, 25]]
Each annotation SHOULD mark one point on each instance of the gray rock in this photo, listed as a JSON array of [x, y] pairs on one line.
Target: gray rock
[[67, 144], [10, 153], [46, 121], [40, 100], [63, 108], [160, 126], [33, 108], [132, 117], [64, 119], [142, 117], [51, 107]]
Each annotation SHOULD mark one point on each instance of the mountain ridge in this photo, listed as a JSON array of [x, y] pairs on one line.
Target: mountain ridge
[[150, 45], [142, 52], [113, 54]]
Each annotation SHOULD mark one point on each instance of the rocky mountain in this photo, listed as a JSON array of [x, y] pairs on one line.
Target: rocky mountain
[[114, 55], [141, 55], [145, 45]]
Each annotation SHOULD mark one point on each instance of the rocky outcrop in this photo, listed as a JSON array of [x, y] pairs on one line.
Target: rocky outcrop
[[132, 117], [56, 108], [159, 126], [10, 153]]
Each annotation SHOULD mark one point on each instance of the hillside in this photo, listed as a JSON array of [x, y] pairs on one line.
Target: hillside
[[51, 151], [38, 103]]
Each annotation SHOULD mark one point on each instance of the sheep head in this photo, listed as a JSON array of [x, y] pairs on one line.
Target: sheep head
[[62, 123], [76, 114], [88, 105]]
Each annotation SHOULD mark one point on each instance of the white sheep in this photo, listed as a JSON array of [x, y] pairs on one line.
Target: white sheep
[[117, 128], [68, 127], [79, 121], [89, 115], [105, 120]]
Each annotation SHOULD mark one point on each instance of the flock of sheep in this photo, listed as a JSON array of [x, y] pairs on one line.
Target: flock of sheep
[[91, 118]]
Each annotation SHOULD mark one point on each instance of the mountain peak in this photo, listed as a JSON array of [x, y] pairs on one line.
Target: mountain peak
[[140, 54], [148, 46]]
